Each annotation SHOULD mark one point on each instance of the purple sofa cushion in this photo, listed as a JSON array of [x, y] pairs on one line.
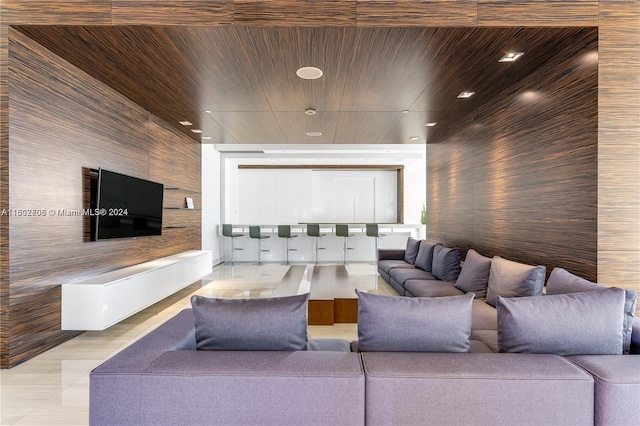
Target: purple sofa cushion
[[561, 282], [514, 279], [474, 276], [388, 265], [268, 324], [403, 324], [588, 323], [424, 259], [411, 252], [431, 288], [446, 263]]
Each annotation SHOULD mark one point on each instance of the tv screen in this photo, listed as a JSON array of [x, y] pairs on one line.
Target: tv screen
[[127, 206]]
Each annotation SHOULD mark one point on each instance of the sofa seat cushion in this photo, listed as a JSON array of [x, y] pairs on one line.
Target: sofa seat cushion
[[426, 324], [479, 347], [403, 274], [617, 387], [514, 279], [388, 265], [484, 316], [331, 345], [562, 281], [431, 288], [474, 276], [488, 337], [250, 387], [473, 388], [587, 323]]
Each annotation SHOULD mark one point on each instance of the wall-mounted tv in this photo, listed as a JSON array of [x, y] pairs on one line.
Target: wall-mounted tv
[[127, 206]]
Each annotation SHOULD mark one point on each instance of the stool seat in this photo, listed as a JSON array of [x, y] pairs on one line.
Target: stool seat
[[284, 231], [372, 231], [227, 231], [313, 230], [342, 230], [254, 232]]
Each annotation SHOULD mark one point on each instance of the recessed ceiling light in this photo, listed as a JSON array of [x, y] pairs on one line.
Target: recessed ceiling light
[[186, 123], [314, 133], [406, 111], [511, 57], [310, 111], [196, 130], [465, 95], [430, 124], [414, 138], [208, 111], [206, 138], [309, 73]]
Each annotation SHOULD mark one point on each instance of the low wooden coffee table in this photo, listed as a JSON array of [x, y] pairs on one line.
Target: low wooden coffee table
[[333, 298]]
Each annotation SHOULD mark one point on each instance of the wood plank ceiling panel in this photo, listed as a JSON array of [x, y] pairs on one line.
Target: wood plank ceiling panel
[[295, 126], [295, 13], [422, 13], [47, 12], [536, 13], [171, 12], [282, 51], [365, 127], [241, 73]]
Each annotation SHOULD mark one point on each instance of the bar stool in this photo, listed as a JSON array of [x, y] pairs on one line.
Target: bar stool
[[284, 231], [313, 230], [254, 232], [372, 231], [343, 231], [227, 231]]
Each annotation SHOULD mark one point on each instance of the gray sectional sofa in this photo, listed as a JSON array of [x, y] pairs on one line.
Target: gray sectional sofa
[[453, 359]]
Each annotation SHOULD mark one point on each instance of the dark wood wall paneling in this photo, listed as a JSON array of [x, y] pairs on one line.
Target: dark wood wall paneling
[[520, 180], [619, 144], [62, 122]]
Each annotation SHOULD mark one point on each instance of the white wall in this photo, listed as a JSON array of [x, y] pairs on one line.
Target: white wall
[[211, 202], [278, 196], [415, 190]]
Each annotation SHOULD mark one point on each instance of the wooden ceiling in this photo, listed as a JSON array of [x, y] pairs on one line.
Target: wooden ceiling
[[246, 76]]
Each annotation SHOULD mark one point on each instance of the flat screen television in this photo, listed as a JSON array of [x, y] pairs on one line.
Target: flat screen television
[[127, 206]]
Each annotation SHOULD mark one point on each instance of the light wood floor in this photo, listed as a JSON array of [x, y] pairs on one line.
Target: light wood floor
[[53, 388]]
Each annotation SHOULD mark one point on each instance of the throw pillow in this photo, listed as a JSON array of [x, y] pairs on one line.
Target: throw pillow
[[474, 276], [267, 324], [425, 256], [411, 252], [562, 281], [446, 263], [414, 324], [588, 323], [513, 279]]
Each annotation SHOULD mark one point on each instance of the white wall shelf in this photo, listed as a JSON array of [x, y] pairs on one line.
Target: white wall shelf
[[103, 300]]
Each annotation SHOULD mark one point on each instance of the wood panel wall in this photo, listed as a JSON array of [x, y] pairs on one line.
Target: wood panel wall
[[618, 211], [520, 179], [63, 122]]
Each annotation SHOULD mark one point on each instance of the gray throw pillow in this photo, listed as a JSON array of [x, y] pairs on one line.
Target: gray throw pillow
[[411, 252], [562, 281], [588, 323], [425, 256], [267, 324], [414, 324], [474, 276], [446, 263], [514, 279]]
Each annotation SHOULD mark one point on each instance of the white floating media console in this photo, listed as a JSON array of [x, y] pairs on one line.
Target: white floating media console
[[98, 302]]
